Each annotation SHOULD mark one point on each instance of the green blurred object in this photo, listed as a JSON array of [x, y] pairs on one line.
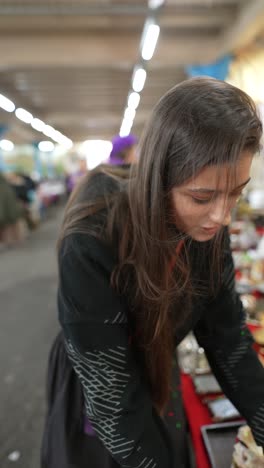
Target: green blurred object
[[10, 210]]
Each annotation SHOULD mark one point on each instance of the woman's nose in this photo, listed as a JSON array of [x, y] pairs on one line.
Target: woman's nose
[[221, 213]]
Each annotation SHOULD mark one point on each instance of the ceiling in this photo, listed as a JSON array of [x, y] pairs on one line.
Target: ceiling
[[70, 63]]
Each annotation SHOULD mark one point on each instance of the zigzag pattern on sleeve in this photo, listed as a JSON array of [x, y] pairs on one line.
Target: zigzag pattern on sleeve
[[104, 380]]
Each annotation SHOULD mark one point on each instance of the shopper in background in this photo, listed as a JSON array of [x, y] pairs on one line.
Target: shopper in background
[[72, 178], [25, 190], [123, 150], [12, 229], [142, 261]]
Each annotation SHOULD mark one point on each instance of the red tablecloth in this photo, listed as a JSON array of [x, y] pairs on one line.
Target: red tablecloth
[[198, 415]]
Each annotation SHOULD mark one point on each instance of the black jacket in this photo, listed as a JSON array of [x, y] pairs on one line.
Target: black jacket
[[95, 323]]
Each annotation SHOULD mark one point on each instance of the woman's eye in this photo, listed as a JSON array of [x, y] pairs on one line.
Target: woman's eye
[[201, 201]]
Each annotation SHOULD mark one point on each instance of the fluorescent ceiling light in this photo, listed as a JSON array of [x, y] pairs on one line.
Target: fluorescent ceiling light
[[46, 146], [24, 115], [58, 136], [38, 125], [139, 79], [67, 142], [6, 104], [150, 41], [129, 114], [153, 4], [49, 131], [133, 100], [96, 152], [125, 127], [6, 145]]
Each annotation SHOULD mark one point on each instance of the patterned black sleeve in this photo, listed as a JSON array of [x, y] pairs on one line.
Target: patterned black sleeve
[[223, 333], [97, 342]]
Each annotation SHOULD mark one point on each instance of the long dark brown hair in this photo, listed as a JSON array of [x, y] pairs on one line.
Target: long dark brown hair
[[198, 123]]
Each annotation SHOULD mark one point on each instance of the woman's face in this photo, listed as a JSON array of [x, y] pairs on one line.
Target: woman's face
[[203, 204]]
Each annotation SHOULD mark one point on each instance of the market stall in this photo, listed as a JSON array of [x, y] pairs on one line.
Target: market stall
[[213, 420]]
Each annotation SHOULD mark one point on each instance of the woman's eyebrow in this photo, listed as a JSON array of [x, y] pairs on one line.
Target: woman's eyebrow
[[207, 190]]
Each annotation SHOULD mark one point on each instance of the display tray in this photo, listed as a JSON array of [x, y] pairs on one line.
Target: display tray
[[222, 410], [205, 384], [219, 441]]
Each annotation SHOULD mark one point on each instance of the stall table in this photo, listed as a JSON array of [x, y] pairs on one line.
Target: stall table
[[197, 415]]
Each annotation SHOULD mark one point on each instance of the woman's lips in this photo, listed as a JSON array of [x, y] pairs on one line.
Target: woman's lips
[[212, 230]]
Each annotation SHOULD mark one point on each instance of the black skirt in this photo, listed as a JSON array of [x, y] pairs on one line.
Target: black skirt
[[65, 443]]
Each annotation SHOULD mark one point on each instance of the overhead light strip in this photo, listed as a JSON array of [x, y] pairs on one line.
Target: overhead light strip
[[6, 145], [6, 104], [139, 78], [148, 43], [155, 4], [37, 124]]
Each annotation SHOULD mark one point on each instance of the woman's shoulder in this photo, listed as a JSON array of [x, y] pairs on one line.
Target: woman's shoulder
[[85, 293], [103, 182], [86, 249]]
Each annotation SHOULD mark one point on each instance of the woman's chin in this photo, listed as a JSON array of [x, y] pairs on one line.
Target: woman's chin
[[202, 236]]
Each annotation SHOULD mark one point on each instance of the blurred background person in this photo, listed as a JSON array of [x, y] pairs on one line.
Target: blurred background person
[[11, 215], [73, 177], [25, 191], [124, 150]]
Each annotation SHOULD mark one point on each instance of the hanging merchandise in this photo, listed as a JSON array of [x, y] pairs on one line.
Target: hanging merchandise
[[218, 69]]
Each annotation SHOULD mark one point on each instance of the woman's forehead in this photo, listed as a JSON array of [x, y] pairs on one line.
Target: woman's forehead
[[221, 178]]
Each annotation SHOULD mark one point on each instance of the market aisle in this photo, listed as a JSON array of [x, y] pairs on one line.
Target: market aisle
[[28, 284]]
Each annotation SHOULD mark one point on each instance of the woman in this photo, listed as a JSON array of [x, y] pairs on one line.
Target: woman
[[142, 262]]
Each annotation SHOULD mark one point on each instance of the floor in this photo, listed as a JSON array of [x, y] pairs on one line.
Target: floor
[[28, 283]]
